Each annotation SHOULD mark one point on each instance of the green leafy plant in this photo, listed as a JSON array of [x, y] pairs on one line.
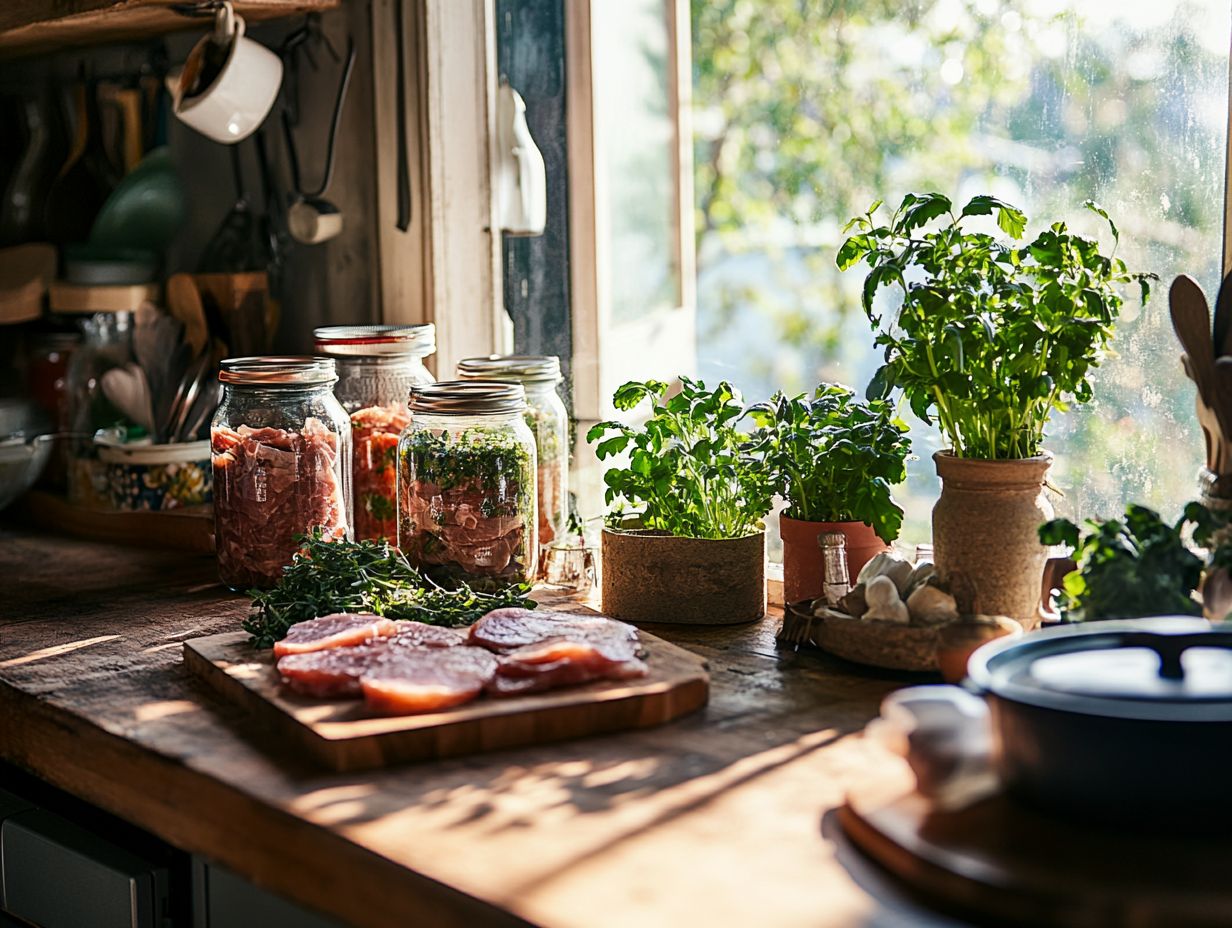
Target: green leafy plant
[[1131, 567], [990, 337], [365, 576], [834, 458], [690, 471]]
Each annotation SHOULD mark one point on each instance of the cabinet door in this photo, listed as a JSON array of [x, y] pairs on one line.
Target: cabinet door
[[56, 875], [221, 899]]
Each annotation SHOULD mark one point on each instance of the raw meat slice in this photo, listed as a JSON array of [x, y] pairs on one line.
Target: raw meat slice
[[334, 631], [332, 673], [422, 635], [413, 680], [507, 629], [592, 653], [514, 678]]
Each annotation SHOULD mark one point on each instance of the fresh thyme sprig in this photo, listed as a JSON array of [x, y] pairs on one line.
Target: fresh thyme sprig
[[364, 576]]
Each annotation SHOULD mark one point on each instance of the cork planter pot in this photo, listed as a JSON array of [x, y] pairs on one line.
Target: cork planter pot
[[985, 534], [803, 566], [652, 576]]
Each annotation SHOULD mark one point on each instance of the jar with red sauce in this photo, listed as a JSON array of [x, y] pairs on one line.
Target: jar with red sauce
[[281, 452], [377, 366]]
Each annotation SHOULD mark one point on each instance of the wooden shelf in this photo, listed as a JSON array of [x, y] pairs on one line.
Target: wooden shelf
[[33, 26]]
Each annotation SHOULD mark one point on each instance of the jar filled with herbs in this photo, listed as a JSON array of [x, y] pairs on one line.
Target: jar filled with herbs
[[548, 420], [281, 453], [466, 485], [377, 366]]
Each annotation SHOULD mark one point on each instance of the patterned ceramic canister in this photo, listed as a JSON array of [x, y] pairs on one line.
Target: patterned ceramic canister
[[158, 477]]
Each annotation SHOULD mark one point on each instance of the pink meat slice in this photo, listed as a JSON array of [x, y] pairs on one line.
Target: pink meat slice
[[515, 678], [415, 680], [333, 673], [510, 628], [422, 635], [340, 630]]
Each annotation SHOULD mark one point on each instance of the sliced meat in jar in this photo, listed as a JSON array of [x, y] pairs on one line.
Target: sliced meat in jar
[[416, 680], [340, 630]]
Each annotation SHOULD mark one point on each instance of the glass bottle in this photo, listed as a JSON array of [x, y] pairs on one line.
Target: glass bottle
[[548, 420], [836, 581], [466, 484], [377, 366], [281, 451]]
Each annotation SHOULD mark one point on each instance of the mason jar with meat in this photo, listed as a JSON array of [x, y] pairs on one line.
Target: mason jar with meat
[[548, 420], [281, 451], [377, 366], [467, 507]]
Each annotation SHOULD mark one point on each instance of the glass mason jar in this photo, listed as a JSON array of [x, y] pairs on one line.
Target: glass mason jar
[[466, 484], [377, 366], [281, 450], [548, 420], [106, 342]]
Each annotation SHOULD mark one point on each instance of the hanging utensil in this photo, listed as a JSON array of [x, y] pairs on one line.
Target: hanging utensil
[[311, 218], [238, 245], [402, 169]]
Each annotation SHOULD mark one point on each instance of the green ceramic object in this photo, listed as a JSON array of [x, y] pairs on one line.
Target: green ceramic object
[[147, 210]]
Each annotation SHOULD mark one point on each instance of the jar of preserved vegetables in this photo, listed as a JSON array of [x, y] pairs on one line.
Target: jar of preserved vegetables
[[377, 366], [466, 484], [281, 451], [548, 420]]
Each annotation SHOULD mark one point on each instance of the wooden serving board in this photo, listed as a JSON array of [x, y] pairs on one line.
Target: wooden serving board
[[1006, 864], [339, 734]]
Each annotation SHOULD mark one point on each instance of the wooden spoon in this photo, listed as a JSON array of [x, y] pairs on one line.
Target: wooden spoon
[[1223, 401], [184, 303], [1191, 320], [1223, 319], [1206, 419]]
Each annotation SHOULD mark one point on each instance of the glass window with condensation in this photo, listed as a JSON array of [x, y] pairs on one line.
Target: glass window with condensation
[[805, 113]]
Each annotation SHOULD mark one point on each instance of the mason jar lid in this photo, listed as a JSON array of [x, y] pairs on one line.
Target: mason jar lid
[[521, 368], [467, 398], [376, 341], [279, 371]]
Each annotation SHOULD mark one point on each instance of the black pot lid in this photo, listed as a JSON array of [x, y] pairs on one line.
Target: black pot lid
[[1169, 668]]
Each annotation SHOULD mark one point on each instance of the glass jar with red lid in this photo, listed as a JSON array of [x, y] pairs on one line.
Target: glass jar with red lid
[[377, 366]]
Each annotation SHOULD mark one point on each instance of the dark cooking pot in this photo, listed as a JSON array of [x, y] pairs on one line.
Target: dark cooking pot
[[1123, 721]]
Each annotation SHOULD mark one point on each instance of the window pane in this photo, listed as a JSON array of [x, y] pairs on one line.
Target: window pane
[[634, 137], [806, 113]]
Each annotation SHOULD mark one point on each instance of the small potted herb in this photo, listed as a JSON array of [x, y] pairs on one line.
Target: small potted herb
[[694, 549], [1132, 567], [835, 460], [991, 337]]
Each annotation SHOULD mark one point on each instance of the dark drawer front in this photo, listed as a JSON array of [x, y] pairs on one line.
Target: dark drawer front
[[223, 900], [56, 875]]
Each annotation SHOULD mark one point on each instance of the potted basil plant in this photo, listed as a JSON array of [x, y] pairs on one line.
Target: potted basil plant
[[990, 339], [835, 460], [686, 541]]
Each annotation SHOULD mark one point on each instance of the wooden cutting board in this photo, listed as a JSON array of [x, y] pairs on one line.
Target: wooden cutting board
[[1006, 864], [340, 735]]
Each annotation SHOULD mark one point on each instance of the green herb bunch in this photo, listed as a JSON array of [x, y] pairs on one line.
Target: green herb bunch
[[990, 337], [834, 458], [690, 470], [1132, 567], [364, 576]]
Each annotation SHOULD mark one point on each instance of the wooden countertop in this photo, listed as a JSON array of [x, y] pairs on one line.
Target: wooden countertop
[[723, 818]]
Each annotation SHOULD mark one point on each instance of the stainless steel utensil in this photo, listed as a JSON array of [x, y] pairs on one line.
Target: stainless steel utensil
[[194, 379]]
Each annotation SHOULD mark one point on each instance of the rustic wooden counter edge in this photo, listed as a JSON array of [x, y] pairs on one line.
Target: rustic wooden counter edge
[[95, 702]]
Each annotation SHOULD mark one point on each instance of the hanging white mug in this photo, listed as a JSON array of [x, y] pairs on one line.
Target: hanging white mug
[[228, 83]]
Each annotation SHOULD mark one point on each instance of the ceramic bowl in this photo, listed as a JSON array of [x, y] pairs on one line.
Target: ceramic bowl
[[156, 478]]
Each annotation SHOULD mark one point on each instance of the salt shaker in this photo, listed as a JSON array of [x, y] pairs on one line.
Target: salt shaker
[[836, 581]]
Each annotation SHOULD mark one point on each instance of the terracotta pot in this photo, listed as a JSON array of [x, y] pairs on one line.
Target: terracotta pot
[[985, 533], [802, 562], [657, 577]]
